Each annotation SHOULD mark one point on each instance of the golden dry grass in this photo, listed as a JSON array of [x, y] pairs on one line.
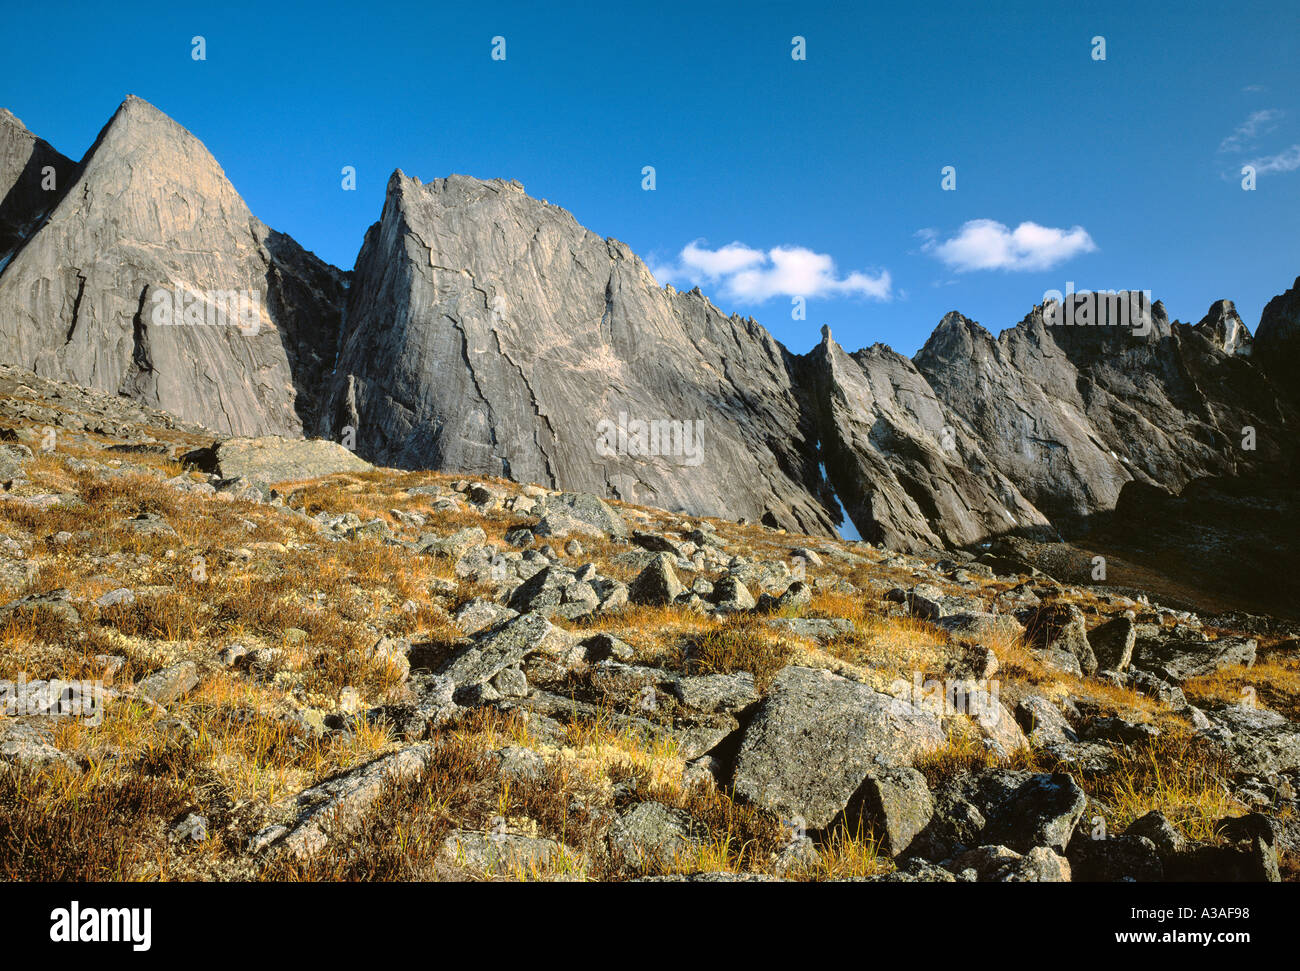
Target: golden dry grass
[[236, 745]]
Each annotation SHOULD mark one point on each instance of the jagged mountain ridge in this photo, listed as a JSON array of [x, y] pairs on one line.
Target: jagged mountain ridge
[[487, 332], [1073, 414], [906, 467]]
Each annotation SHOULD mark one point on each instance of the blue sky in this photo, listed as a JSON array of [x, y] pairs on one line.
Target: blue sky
[[1122, 173]]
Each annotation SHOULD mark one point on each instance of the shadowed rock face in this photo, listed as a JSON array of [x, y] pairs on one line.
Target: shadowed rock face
[[489, 332], [1277, 341], [1073, 413], [24, 198], [1019, 395], [907, 470], [150, 214]]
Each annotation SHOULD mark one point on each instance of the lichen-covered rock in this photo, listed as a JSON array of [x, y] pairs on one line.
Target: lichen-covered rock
[[651, 834], [170, 683], [657, 584], [896, 799], [816, 737], [1178, 659], [1058, 628], [270, 459], [1112, 643], [503, 646], [333, 807], [1256, 739], [1115, 858]]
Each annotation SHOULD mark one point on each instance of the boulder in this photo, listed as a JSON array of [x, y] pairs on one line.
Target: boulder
[[1179, 659], [582, 512], [652, 835], [1115, 858], [657, 584], [1257, 740], [897, 802], [1157, 829], [337, 805], [500, 854], [716, 692], [1059, 628], [503, 646], [1112, 643], [1043, 722], [731, 595], [270, 459], [815, 738], [170, 683]]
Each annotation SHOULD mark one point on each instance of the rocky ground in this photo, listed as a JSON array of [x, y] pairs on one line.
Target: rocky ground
[[269, 660]]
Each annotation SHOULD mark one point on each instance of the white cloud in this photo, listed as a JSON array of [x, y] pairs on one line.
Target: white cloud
[[751, 276], [1284, 161], [1256, 124], [985, 244], [731, 258]]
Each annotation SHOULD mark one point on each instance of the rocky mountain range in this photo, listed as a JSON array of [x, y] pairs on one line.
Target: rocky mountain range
[[492, 559], [486, 332]]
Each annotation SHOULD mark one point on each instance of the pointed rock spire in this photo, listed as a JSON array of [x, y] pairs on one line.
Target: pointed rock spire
[[151, 278]]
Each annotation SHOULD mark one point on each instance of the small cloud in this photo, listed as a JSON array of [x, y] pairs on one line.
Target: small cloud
[[1254, 89], [1284, 161], [751, 275], [1256, 124], [730, 259], [985, 244]]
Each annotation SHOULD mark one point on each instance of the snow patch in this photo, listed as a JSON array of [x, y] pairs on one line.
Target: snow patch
[[847, 529]]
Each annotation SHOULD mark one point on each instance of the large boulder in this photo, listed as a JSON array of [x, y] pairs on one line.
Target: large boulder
[[1178, 659], [1257, 740], [503, 646], [270, 459], [1042, 810], [896, 800], [816, 737], [1115, 858], [1043, 722], [657, 584], [1006, 807], [1112, 642], [1059, 628], [583, 512]]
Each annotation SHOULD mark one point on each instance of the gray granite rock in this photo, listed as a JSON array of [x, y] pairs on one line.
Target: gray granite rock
[[537, 340], [271, 458], [905, 466], [149, 213], [816, 737]]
